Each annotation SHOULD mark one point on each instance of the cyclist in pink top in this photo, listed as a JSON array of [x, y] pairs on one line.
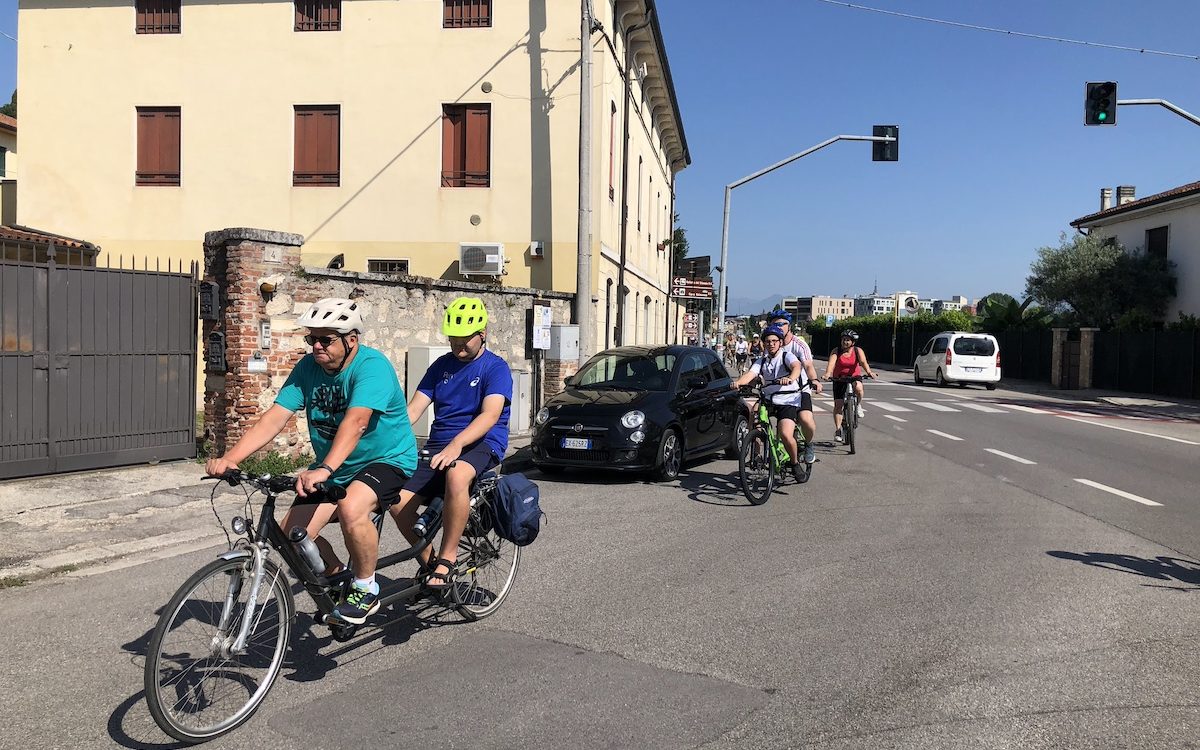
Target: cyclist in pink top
[[846, 361]]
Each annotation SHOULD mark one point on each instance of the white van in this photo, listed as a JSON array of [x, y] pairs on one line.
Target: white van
[[959, 357]]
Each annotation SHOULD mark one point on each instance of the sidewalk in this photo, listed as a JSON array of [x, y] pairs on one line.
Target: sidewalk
[[84, 523]]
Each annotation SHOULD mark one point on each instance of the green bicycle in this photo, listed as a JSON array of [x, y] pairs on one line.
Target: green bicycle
[[763, 455]]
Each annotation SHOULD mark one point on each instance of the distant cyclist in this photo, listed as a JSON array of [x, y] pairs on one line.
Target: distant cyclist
[[741, 350], [847, 361]]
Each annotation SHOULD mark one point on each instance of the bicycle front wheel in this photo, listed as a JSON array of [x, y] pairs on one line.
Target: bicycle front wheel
[[756, 466], [487, 567], [197, 687], [850, 421]]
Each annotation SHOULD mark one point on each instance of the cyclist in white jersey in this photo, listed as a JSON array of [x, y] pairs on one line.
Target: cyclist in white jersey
[[789, 396], [791, 342]]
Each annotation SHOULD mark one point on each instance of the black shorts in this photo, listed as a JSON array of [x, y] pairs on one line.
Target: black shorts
[[793, 412], [741, 357], [384, 480], [839, 389], [430, 483]]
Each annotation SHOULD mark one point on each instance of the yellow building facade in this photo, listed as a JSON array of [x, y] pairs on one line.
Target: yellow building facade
[[237, 79]]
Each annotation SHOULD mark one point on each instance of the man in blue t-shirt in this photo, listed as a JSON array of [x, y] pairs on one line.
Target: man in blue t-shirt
[[470, 390], [360, 432]]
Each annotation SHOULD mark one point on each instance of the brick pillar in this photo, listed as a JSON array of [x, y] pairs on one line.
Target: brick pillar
[[239, 261], [1058, 378], [556, 370], [1087, 353]]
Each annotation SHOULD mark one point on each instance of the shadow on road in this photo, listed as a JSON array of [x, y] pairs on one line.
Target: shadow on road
[[1160, 568], [311, 655]]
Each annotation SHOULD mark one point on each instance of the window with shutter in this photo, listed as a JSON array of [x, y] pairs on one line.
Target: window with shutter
[[318, 15], [157, 146], [461, 14], [317, 145], [157, 16], [388, 266], [466, 145]]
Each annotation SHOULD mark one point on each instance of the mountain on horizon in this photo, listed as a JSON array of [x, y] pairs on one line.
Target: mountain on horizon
[[748, 306]]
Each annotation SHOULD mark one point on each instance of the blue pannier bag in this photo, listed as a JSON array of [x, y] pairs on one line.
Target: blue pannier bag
[[516, 514]]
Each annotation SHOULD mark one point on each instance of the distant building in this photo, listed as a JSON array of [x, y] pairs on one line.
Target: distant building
[[957, 302], [804, 309], [874, 304]]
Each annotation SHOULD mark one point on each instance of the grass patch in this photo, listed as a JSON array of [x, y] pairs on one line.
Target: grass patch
[[274, 463], [12, 582]]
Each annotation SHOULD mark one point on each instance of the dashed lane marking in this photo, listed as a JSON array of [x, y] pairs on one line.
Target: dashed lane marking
[[890, 407], [946, 435], [1011, 457], [935, 407], [893, 417], [1019, 407], [1119, 493], [982, 408]]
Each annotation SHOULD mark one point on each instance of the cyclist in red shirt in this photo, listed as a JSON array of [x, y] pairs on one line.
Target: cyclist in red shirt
[[846, 361]]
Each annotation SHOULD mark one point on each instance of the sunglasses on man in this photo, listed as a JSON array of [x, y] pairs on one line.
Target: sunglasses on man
[[324, 341]]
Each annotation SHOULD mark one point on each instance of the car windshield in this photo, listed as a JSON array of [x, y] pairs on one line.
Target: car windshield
[[631, 371], [974, 346]]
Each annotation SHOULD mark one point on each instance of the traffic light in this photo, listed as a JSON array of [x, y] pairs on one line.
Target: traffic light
[[883, 150], [1100, 103]]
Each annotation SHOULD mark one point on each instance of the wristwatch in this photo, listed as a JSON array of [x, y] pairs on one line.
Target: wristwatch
[[324, 466]]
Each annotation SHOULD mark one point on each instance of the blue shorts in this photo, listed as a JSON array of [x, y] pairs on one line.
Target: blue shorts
[[429, 482]]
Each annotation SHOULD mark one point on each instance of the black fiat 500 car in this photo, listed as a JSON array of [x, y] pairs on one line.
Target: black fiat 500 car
[[640, 408]]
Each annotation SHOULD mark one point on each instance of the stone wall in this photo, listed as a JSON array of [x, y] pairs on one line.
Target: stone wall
[[260, 280]]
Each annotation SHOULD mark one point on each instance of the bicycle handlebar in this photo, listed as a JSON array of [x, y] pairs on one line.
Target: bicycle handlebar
[[278, 483]]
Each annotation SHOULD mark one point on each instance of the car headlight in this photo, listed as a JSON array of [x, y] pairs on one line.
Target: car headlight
[[542, 416], [633, 419], [637, 437]]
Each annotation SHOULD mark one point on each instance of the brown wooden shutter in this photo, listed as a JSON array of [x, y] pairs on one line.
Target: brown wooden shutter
[[457, 14], [157, 16], [453, 145], [478, 142], [317, 145], [318, 15], [158, 143]]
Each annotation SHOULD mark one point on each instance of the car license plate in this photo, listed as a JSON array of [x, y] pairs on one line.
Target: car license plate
[[577, 443], [973, 369]]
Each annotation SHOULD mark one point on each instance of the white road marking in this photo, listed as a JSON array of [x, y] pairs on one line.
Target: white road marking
[[943, 434], [1126, 429], [889, 407], [982, 408], [1119, 493], [1028, 409], [898, 419], [1011, 457], [935, 407], [905, 398]]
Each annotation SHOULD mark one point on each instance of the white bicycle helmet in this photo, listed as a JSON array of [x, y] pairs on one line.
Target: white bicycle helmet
[[341, 315]]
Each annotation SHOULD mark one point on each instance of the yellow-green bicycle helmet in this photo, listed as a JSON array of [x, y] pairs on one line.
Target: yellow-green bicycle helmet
[[466, 316]]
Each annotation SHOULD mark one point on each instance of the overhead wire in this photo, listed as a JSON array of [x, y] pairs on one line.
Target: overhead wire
[[994, 30]]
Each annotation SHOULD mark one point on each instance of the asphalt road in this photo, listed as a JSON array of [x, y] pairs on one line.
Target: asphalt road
[[925, 593]]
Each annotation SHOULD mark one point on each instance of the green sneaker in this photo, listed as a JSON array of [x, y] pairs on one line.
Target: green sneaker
[[358, 605]]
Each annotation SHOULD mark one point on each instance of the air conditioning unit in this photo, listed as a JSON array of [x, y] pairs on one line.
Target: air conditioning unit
[[481, 258]]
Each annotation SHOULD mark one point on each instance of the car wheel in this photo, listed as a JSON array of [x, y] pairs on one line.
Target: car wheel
[[670, 457], [990, 386], [940, 379], [917, 375], [740, 429]]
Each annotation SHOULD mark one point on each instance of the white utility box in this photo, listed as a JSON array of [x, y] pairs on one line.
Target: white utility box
[[564, 342], [522, 402], [419, 360]]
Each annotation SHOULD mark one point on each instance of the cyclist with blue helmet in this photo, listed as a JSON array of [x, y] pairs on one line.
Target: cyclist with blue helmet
[[791, 342], [787, 381]]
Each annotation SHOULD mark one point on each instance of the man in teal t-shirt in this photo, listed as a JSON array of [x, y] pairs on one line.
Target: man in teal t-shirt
[[360, 432]]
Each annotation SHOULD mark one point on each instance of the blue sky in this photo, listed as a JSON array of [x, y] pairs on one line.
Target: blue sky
[[994, 159]]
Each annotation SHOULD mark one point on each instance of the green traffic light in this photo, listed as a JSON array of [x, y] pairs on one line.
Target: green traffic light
[[1102, 116]]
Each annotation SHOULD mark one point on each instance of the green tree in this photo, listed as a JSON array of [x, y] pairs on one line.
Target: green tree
[[1097, 279], [1000, 312], [679, 242], [10, 109]]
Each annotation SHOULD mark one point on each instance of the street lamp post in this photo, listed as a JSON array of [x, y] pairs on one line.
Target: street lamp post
[[721, 302]]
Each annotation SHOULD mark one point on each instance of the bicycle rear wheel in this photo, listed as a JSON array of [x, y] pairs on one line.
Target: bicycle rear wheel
[[850, 420], [196, 688], [487, 567], [756, 466]]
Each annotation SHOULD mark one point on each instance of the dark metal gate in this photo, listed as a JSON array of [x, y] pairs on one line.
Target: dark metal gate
[[97, 365], [1070, 360]]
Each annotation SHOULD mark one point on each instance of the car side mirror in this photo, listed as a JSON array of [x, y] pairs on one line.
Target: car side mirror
[[569, 380]]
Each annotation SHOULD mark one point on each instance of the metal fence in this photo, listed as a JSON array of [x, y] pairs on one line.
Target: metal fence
[[97, 365], [1160, 362]]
